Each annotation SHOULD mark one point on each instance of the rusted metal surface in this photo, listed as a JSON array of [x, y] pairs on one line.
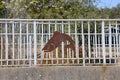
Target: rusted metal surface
[[56, 40]]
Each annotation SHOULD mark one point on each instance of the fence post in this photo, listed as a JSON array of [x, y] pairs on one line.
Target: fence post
[[30, 51], [117, 38], [62, 24], [20, 40], [103, 43], [83, 46], [89, 47], [76, 42], [110, 41], [96, 51], [27, 39], [35, 44], [6, 43], [42, 42], [13, 37]]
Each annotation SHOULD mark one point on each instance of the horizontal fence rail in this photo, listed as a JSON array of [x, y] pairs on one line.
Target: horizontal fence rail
[[97, 42]]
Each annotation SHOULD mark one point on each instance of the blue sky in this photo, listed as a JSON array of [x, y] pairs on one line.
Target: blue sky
[[108, 3]]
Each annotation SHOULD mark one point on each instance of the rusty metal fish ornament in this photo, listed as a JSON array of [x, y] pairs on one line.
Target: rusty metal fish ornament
[[56, 40]]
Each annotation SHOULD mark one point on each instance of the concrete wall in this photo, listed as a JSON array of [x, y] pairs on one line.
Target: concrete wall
[[61, 73]]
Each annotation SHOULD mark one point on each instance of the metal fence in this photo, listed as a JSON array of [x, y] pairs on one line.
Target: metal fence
[[97, 42]]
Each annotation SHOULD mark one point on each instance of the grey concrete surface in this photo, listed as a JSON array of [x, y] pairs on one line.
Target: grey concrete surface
[[61, 73]]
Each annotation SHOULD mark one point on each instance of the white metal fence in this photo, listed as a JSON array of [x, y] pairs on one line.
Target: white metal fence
[[97, 42]]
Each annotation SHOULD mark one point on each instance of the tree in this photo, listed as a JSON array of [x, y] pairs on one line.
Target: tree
[[17, 9], [115, 12], [2, 8], [62, 9]]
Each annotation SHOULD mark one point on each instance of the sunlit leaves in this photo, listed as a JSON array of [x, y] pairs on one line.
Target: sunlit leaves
[[2, 8]]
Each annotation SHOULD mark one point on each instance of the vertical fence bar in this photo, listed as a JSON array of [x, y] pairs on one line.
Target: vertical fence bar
[[110, 41], [114, 47], [46, 54], [24, 50], [49, 29], [83, 45], [6, 43], [76, 43], [30, 51], [20, 40], [56, 48], [119, 44], [103, 43], [89, 48], [35, 44], [1, 49], [117, 38], [99, 48], [96, 52], [68, 50], [27, 38], [18, 51], [13, 53], [42, 43], [2, 44], [62, 44], [94, 49], [55, 25]]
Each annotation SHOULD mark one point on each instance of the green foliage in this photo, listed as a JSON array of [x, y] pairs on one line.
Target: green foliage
[[115, 12], [61, 9], [17, 9], [57, 9], [2, 8]]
